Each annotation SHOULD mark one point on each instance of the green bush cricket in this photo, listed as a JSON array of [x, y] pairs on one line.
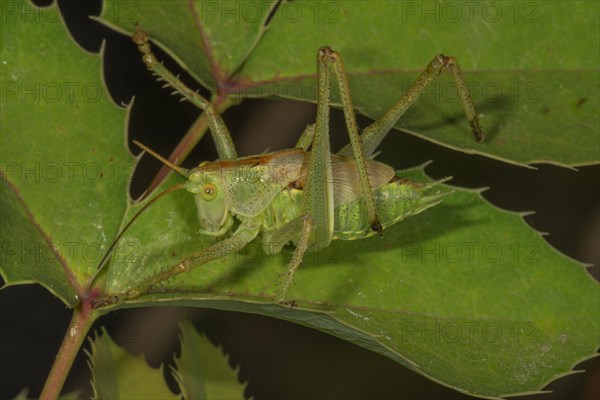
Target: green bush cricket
[[306, 195]]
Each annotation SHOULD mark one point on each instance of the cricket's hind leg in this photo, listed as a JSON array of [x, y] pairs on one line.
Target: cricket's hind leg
[[376, 132]]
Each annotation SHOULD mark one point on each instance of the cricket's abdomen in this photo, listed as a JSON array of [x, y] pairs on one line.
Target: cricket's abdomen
[[395, 201]]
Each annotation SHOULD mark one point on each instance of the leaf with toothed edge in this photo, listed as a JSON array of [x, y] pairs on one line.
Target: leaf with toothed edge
[[536, 108], [465, 294], [116, 374], [202, 371], [443, 293], [64, 167]]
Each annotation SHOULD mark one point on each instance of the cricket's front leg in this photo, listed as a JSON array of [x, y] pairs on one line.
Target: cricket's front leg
[[219, 131], [245, 233], [299, 228]]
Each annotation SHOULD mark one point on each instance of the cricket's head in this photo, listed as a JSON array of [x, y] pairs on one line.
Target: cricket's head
[[205, 183]]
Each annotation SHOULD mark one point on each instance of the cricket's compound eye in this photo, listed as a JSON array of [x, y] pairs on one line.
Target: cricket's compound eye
[[209, 192]]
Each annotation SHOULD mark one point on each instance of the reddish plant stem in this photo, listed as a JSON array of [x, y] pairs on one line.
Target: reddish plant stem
[[82, 320], [194, 134]]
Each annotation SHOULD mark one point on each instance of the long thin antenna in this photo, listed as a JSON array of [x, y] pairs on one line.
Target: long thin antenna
[[183, 171], [137, 214]]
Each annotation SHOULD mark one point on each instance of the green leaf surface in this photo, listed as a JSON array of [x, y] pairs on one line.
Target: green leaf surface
[[531, 67], [64, 166], [202, 371], [212, 64], [463, 293], [116, 374]]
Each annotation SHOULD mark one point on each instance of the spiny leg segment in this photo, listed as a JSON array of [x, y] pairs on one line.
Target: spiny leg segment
[[245, 233], [376, 132], [275, 241], [219, 131]]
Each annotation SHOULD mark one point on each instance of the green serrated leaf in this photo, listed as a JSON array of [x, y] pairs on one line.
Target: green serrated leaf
[[22, 395], [202, 370], [531, 67], [74, 395], [464, 293], [116, 374], [211, 65], [64, 167]]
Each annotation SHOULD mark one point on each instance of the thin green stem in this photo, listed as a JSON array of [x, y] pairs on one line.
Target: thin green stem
[[82, 320]]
